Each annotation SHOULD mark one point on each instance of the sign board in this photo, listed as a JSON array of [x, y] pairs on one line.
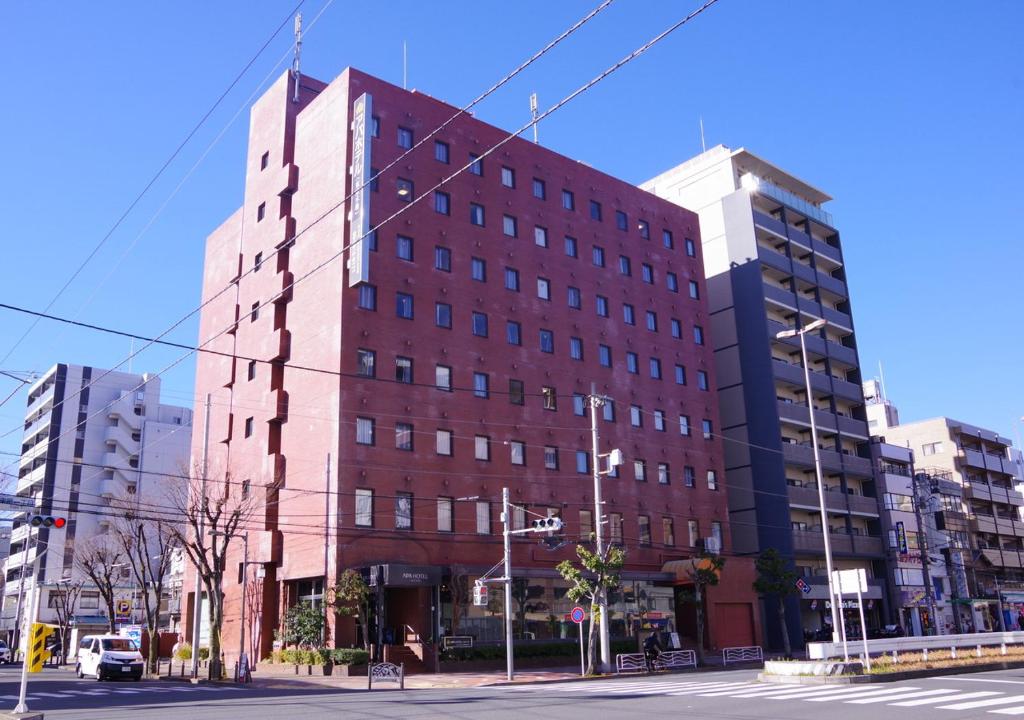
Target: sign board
[[410, 575], [359, 216], [457, 641], [674, 638], [122, 610], [133, 633], [803, 586], [578, 615], [850, 581], [15, 501], [901, 538]]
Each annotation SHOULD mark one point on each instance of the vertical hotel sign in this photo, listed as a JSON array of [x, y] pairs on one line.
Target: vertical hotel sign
[[359, 212]]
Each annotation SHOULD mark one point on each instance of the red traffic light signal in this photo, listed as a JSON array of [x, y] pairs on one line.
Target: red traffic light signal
[[47, 521]]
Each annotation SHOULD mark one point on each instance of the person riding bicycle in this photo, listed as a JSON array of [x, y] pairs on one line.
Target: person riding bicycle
[[652, 649]]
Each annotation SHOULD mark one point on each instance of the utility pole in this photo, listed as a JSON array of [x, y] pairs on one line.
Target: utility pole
[[922, 541], [597, 401], [197, 604], [243, 672], [296, 74], [33, 616], [506, 518], [327, 537]]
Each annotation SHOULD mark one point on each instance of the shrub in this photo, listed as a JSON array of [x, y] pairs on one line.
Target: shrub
[[184, 652], [350, 656], [204, 653]]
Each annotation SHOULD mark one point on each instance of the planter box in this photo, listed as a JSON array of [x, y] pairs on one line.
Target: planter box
[[820, 669], [286, 670]]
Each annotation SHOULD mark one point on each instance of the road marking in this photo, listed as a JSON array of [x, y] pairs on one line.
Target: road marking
[[964, 696], [639, 687], [52, 695], [905, 696], [1009, 711], [863, 692], [1007, 682], [729, 691], [828, 691], [730, 687], [795, 692], [125, 692], [984, 703]]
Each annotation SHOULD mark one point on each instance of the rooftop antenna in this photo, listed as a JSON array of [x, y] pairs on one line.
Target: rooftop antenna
[[298, 55], [405, 66], [533, 112], [881, 380], [131, 354], [703, 147]]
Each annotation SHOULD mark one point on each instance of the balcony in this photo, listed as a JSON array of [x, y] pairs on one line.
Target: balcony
[[807, 497], [833, 285], [124, 409], [119, 436], [984, 524], [867, 545], [857, 465], [797, 413], [852, 426], [802, 454], [838, 319], [780, 296], [774, 259], [804, 272], [1002, 558], [842, 353], [794, 374], [826, 250], [770, 224], [32, 478], [974, 458], [863, 505], [977, 491], [770, 189], [847, 390]]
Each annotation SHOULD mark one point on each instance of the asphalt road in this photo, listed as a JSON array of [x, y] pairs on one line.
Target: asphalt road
[[734, 695]]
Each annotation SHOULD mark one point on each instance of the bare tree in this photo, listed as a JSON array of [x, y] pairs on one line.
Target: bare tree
[[101, 559], [63, 600], [148, 544], [210, 524], [254, 615]]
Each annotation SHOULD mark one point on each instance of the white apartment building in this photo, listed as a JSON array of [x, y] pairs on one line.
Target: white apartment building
[[90, 436]]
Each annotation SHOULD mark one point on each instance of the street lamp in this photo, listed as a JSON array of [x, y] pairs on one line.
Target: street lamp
[[784, 335]]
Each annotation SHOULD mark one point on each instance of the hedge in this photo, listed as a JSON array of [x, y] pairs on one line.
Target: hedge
[[528, 650], [322, 656]]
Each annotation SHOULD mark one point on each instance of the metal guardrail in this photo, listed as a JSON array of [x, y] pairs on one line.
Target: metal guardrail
[[753, 653], [667, 660], [826, 650], [386, 672]]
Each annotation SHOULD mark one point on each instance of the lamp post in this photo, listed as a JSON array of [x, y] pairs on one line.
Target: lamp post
[[801, 332]]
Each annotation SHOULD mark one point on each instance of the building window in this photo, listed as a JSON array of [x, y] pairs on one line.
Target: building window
[[625, 266], [516, 392], [702, 380], [640, 470], [547, 341], [482, 448], [644, 228], [254, 312], [441, 151], [659, 420], [668, 533], [403, 305], [621, 221], [684, 425], [481, 385], [364, 507], [712, 480], [672, 281], [689, 476], [571, 247], [636, 417], [443, 377], [698, 335], [248, 426], [615, 528], [479, 324], [483, 517], [549, 398], [604, 356], [677, 328], [476, 165], [576, 348], [514, 332], [403, 248], [517, 452], [655, 364], [597, 256], [934, 448], [647, 273], [512, 279], [550, 457], [403, 511], [579, 404], [442, 258], [601, 303], [261, 211], [265, 160], [367, 297], [509, 226], [540, 236], [680, 375], [575, 298], [405, 189], [693, 530], [364, 431], [586, 524], [374, 180], [443, 442], [403, 436], [608, 410], [404, 138], [691, 248], [366, 363], [478, 269], [476, 214], [508, 177], [706, 428], [445, 506], [442, 203], [644, 525], [374, 126], [666, 239], [716, 534], [632, 363], [540, 190], [257, 262], [595, 210], [582, 462], [543, 288], [568, 200], [403, 370], [694, 290], [251, 370], [652, 321], [628, 314]]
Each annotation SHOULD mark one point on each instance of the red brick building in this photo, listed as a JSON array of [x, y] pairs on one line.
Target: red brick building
[[456, 366]]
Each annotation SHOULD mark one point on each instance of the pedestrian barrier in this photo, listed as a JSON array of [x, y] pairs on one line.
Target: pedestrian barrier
[[668, 660], [752, 653], [386, 672]]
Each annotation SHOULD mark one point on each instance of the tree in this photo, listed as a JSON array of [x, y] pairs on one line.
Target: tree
[[148, 546], [705, 571], [776, 578], [591, 582], [459, 588], [64, 600], [522, 593], [303, 626], [101, 560], [254, 615], [220, 514], [350, 597]]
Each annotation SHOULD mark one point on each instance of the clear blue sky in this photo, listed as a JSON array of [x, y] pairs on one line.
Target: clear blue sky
[[909, 113]]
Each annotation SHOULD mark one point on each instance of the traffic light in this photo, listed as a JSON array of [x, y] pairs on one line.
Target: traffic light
[[37, 652], [47, 521], [549, 524], [480, 595]]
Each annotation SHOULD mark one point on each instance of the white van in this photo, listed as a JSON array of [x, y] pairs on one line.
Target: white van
[[109, 656]]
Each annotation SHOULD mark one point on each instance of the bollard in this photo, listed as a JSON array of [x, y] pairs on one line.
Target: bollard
[[952, 652], [895, 656], [1002, 649], [925, 655], [977, 651]]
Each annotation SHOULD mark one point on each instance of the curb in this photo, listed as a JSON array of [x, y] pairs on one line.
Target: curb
[[887, 677]]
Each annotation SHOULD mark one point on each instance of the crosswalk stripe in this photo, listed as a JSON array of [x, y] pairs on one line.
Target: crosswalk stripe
[[792, 691], [729, 691], [832, 691], [958, 696], [904, 696], [52, 695], [731, 687], [639, 687], [864, 691], [984, 703], [1009, 711]]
